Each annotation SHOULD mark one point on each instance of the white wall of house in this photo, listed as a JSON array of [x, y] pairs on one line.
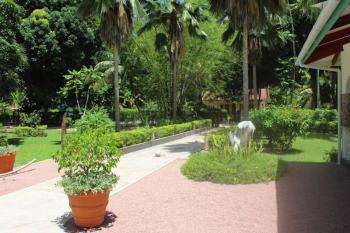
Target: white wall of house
[[345, 72]]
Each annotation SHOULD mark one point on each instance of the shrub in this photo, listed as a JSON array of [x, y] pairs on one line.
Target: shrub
[[181, 128], [31, 119], [129, 115], [96, 118], [87, 160], [164, 131], [322, 120], [198, 124], [26, 131], [219, 139], [279, 125], [5, 148], [217, 167], [332, 155]]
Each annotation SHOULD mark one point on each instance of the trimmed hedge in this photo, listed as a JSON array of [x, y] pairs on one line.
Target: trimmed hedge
[[26, 131], [136, 136]]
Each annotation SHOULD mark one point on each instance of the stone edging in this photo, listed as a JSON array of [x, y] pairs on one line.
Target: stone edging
[[159, 141]]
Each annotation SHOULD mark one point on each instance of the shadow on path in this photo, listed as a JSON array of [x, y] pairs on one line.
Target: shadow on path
[[314, 197], [185, 147], [66, 223]]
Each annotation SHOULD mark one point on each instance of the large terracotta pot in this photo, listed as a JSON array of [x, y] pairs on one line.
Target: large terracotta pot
[[7, 162], [89, 209]]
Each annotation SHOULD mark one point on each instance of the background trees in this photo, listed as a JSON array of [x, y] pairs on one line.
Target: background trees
[[172, 17], [42, 41]]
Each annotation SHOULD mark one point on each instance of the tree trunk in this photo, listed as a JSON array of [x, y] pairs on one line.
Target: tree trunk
[[255, 87], [116, 90], [174, 89], [318, 95], [293, 32], [245, 71]]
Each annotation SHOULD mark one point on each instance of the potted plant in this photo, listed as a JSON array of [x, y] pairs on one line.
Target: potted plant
[[7, 155], [87, 160]]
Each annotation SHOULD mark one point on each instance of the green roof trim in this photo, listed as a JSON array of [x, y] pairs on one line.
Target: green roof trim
[[331, 21]]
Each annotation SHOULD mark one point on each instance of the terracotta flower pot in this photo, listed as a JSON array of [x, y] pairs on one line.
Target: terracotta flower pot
[[7, 162], [89, 209]]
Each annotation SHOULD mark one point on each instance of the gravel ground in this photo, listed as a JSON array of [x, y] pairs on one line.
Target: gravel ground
[[310, 198], [31, 175]]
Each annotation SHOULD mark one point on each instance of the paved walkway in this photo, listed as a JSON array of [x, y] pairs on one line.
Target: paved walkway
[[39, 208], [310, 198]]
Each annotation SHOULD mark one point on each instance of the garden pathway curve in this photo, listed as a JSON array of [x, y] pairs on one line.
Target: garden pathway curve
[[44, 207]]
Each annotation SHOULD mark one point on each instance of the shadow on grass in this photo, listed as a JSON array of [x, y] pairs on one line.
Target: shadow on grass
[[57, 142], [278, 151], [66, 223], [313, 197], [16, 141], [324, 136]]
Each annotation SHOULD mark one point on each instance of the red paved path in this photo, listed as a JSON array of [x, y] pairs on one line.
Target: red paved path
[[310, 198], [31, 175]]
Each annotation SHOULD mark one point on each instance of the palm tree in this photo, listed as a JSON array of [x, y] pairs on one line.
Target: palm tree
[[173, 16], [245, 14], [272, 34], [116, 18]]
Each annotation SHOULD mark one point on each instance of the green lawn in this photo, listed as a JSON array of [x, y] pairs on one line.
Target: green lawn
[[311, 148], [40, 148], [269, 165]]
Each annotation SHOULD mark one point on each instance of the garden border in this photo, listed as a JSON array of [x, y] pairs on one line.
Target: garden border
[[159, 141]]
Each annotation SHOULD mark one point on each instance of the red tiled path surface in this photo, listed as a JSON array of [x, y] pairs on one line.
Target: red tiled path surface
[[310, 198], [31, 175]]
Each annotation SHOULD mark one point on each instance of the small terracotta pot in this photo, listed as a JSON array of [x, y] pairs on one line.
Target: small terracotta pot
[[7, 162], [89, 209]]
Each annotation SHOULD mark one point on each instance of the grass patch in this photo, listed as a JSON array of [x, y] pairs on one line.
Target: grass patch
[[40, 148], [269, 165], [308, 149], [230, 169]]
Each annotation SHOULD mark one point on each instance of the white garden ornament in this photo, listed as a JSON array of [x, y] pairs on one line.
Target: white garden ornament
[[241, 138]]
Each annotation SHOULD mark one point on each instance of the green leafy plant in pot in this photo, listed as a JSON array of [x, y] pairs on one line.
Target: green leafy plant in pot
[[7, 155], [87, 160]]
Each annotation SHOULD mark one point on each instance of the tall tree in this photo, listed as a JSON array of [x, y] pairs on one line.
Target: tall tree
[[243, 15], [13, 60], [173, 16], [116, 26], [271, 35]]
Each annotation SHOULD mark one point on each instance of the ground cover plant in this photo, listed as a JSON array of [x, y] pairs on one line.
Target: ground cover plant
[[218, 167], [221, 165]]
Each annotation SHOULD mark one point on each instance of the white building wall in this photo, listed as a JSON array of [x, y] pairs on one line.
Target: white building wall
[[345, 71]]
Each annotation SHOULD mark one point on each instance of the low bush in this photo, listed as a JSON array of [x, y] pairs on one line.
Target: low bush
[[129, 115], [331, 156], [280, 125], [219, 139], [27, 131], [96, 118], [131, 137], [322, 120], [217, 167], [30, 120]]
